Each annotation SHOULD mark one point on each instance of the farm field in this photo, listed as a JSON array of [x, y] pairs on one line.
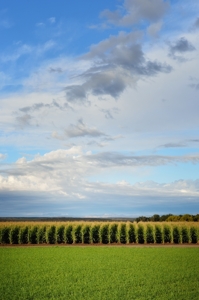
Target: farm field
[[99, 233], [56, 272]]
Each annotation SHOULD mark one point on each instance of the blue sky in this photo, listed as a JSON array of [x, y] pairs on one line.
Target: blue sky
[[99, 108]]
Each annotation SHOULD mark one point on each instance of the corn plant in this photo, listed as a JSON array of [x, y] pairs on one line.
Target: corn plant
[[33, 235], [86, 234], [167, 234], [158, 234], [95, 234], [123, 233], [176, 235], [41, 235], [140, 234], [185, 235], [193, 235], [149, 234], [131, 233], [60, 234], [77, 234], [5, 235], [24, 235], [113, 233], [104, 233], [51, 235], [68, 234], [14, 235]]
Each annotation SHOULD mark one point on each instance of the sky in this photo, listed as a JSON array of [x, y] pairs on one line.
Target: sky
[[99, 108]]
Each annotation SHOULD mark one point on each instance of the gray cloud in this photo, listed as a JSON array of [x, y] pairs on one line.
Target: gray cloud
[[110, 82], [24, 120], [194, 140], [180, 144], [196, 23], [194, 85], [154, 29], [125, 56], [112, 159], [135, 11], [98, 144], [81, 130], [173, 145], [114, 80], [34, 107], [38, 106], [103, 48], [106, 83], [107, 113], [113, 138], [182, 45], [118, 63], [55, 70], [76, 93]]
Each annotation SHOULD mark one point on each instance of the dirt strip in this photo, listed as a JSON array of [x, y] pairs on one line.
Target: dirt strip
[[169, 245]]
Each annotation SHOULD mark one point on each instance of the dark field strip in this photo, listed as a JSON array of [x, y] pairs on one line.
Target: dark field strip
[[99, 233], [141, 273]]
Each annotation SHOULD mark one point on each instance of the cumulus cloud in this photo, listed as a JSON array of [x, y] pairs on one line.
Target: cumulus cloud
[[135, 11], [65, 173]]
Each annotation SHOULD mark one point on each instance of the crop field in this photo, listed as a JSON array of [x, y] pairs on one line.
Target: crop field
[[57, 272], [99, 233]]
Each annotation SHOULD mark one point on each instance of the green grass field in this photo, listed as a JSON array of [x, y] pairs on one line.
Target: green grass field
[[57, 272]]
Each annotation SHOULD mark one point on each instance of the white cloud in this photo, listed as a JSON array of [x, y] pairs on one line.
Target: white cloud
[[66, 172]]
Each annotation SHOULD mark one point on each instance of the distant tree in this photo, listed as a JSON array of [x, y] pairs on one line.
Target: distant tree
[[186, 217], [173, 219], [196, 218], [142, 219], [164, 217], [155, 218]]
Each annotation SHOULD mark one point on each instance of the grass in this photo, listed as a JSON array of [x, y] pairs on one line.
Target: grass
[[99, 273]]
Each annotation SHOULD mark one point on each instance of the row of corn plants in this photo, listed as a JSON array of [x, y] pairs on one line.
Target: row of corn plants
[[95, 233]]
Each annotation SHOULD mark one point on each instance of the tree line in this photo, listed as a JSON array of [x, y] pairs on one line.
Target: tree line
[[169, 218]]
